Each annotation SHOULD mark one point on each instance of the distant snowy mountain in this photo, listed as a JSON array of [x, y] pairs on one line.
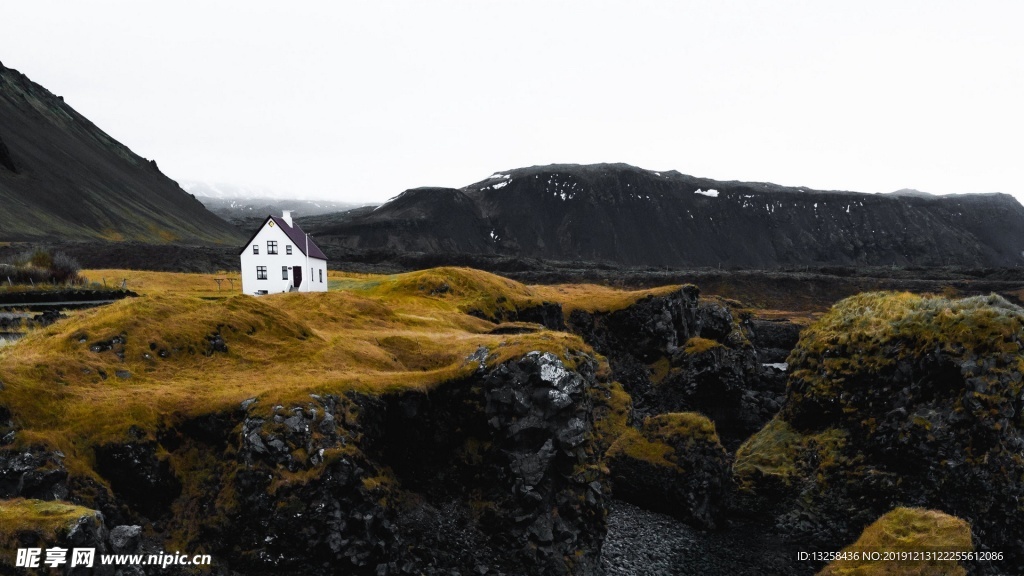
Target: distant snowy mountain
[[239, 204], [224, 191]]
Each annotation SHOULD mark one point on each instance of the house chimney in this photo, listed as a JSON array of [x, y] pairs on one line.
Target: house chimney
[[286, 215]]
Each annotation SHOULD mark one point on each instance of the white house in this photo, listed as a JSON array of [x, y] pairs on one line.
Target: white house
[[280, 257]]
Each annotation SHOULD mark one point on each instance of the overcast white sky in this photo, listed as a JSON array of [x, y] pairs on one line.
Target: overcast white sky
[[357, 101]]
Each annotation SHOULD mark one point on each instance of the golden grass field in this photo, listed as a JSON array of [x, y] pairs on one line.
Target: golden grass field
[[370, 333]]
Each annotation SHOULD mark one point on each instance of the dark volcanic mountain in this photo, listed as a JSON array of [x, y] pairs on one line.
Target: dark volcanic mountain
[[625, 215], [63, 178]]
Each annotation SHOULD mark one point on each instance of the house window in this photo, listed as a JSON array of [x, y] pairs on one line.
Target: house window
[[288, 249], [261, 272], [271, 246], [321, 276], [284, 272], [255, 248]]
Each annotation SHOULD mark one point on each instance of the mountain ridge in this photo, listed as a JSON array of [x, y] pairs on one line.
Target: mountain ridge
[[622, 214]]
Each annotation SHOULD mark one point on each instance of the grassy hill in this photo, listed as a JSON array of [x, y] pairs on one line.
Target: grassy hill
[[151, 360]]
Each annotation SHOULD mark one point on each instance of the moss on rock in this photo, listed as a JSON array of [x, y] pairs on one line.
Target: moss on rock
[[674, 464], [840, 360], [698, 345], [40, 523], [776, 454], [612, 409], [907, 530]]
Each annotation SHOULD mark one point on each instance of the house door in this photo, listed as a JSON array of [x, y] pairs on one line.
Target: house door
[[297, 276]]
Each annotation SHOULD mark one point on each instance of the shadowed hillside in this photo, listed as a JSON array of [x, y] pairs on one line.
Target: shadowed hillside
[[63, 177]]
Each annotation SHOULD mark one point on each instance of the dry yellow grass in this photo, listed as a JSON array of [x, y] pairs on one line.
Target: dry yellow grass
[[146, 282], [49, 519], [595, 298]]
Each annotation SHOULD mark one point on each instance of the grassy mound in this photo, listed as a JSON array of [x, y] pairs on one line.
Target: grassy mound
[[168, 355], [45, 522], [907, 530]]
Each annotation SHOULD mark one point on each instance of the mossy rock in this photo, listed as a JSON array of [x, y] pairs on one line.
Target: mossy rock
[[674, 464], [775, 456], [697, 345], [897, 399], [40, 523], [612, 409], [844, 363], [907, 530]]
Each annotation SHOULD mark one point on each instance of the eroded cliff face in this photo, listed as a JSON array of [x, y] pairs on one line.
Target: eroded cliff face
[[497, 473], [681, 353]]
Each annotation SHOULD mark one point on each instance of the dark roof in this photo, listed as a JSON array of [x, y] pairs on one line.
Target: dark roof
[[295, 234]]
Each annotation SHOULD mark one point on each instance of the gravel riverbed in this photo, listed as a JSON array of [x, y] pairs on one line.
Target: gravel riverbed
[[645, 543]]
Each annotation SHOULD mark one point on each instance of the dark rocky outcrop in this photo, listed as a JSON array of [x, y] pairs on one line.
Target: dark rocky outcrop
[[898, 400], [498, 473], [31, 473], [32, 523], [546, 314], [6, 160], [773, 339], [14, 323], [674, 464], [526, 462], [620, 214], [493, 475], [139, 478], [306, 497], [680, 353]]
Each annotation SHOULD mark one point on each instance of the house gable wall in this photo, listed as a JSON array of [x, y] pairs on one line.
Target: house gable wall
[[275, 281]]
